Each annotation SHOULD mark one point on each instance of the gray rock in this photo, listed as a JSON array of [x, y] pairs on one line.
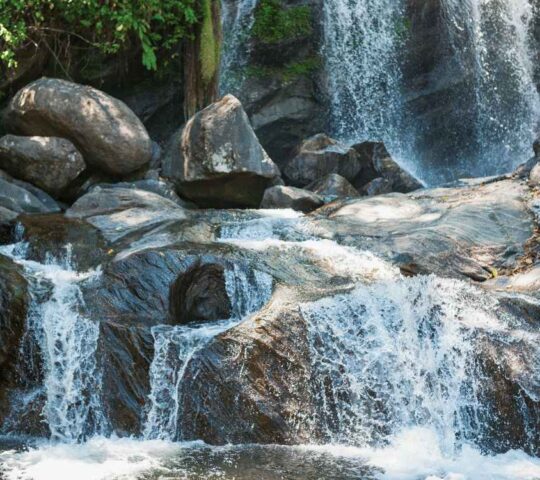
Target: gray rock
[[107, 133], [291, 197], [320, 156], [380, 164], [377, 186], [157, 186], [17, 199], [50, 163], [333, 186], [218, 161], [118, 212]]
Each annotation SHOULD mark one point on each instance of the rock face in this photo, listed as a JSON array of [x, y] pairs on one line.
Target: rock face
[[107, 133], [291, 197], [333, 186], [320, 156], [50, 163], [222, 163]]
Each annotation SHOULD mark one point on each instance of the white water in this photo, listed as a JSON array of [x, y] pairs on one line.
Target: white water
[[237, 20], [68, 344], [365, 48], [175, 346]]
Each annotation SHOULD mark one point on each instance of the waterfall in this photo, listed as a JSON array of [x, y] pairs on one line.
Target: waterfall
[[68, 344], [174, 346], [362, 40], [237, 20], [400, 355], [365, 48]]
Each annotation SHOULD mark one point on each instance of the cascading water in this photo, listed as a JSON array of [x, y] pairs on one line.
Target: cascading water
[[174, 347], [237, 20], [365, 48], [402, 355], [68, 343]]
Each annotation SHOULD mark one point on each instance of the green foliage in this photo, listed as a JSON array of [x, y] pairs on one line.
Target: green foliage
[[274, 22], [106, 25], [287, 73], [209, 53]]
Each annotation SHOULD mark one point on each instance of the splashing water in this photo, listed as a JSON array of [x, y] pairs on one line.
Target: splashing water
[[68, 344], [399, 355], [174, 347]]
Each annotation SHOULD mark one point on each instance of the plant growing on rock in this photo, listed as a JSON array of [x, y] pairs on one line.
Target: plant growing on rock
[[274, 22]]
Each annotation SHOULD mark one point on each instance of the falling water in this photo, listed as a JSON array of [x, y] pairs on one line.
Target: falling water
[[237, 20], [365, 48], [248, 291], [68, 343], [401, 355]]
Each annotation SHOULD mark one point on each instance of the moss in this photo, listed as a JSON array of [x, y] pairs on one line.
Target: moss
[[275, 23], [209, 49], [287, 73]]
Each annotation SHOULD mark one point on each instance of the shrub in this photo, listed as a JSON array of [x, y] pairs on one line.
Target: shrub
[[106, 25]]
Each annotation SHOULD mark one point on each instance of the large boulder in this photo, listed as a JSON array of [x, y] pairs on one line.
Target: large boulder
[[107, 133], [219, 160], [50, 163], [291, 197], [320, 156], [380, 164]]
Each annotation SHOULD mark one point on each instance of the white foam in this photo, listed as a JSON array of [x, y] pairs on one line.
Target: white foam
[[98, 459]]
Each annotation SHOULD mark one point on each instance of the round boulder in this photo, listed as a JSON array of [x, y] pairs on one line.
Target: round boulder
[[107, 133], [50, 163]]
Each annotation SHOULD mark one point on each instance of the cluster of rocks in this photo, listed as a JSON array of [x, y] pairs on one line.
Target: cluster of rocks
[[65, 139]]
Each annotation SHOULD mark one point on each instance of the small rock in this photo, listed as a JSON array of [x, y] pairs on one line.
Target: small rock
[[291, 197], [381, 164], [378, 186], [50, 163], [333, 186], [19, 200], [320, 156]]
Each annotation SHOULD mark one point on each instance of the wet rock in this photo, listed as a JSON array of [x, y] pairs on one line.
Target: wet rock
[[251, 383], [118, 212], [381, 164], [50, 163], [452, 232], [291, 197], [320, 156], [14, 300], [200, 295], [107, 133], [60, 237], [333, 186], [221, 161]]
